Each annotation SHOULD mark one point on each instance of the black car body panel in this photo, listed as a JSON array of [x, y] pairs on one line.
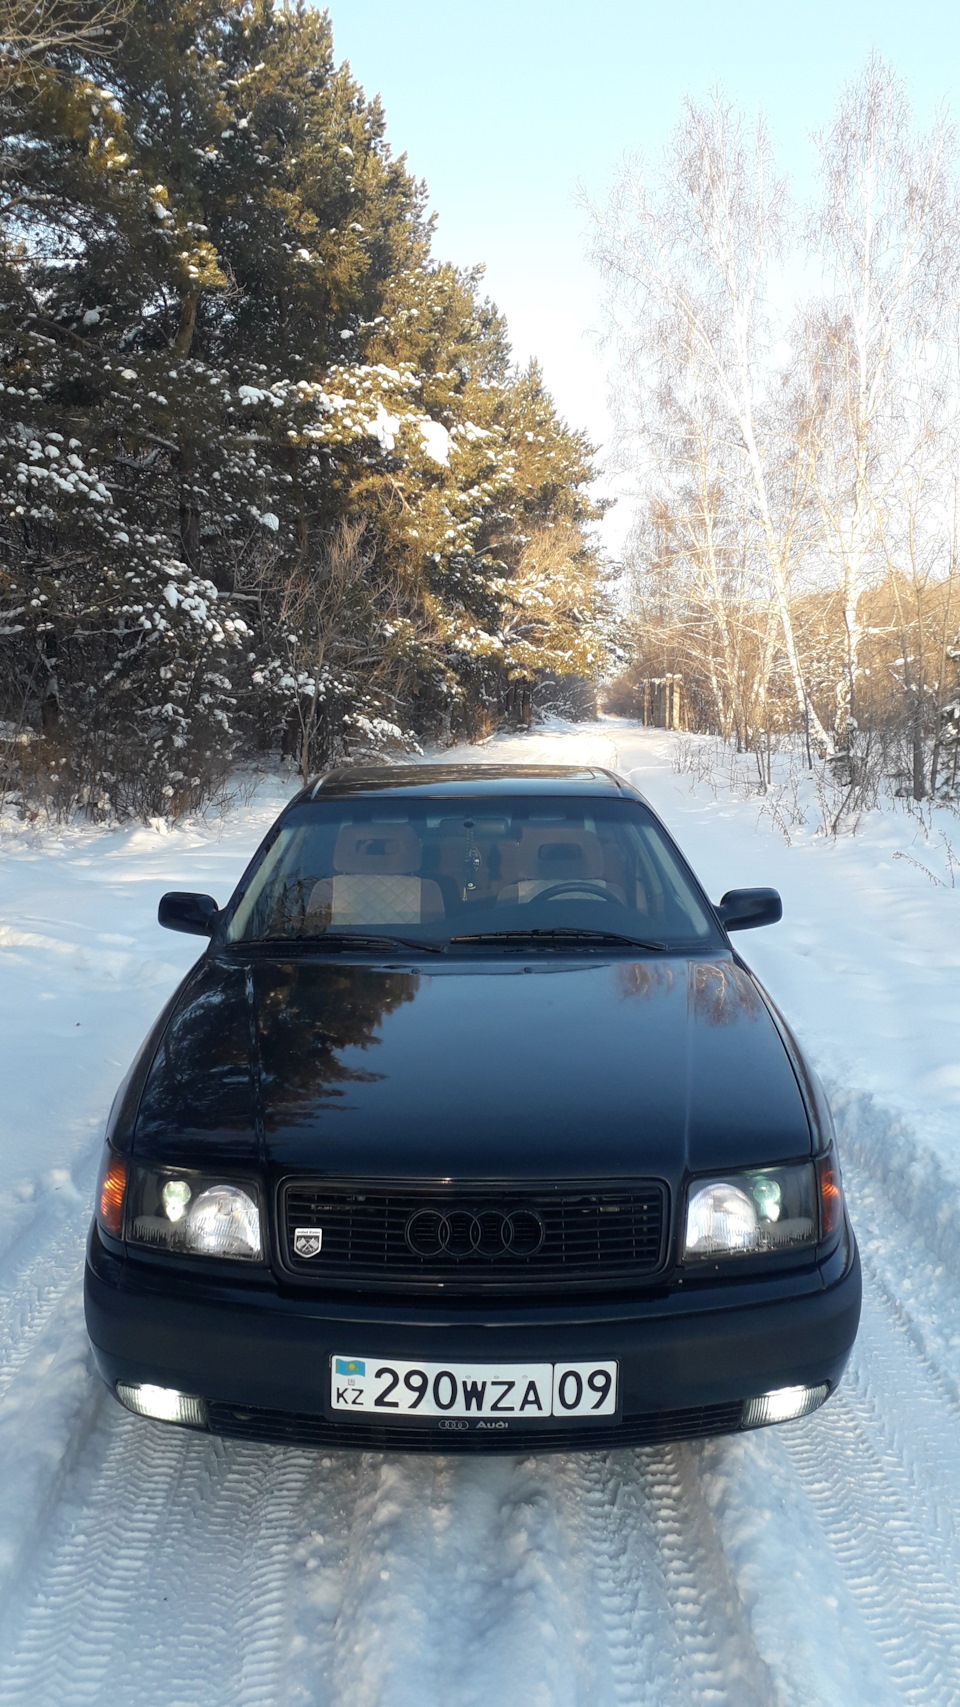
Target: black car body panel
[[461, 1071], [252, 1350]]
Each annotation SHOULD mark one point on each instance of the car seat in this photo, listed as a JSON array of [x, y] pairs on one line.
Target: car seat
[[375, 880], [548, 854]]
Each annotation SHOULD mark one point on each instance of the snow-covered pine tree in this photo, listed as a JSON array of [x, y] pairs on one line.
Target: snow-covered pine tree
[[267, 471]]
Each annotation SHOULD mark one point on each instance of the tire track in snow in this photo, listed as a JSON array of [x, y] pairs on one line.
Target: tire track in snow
[[362, 1623], [885, 1479], [437, 1582], [164, 1576], [41, 1263], [35, 1276], [856, 1512], [673, 1623], [184, 1569], [220, 1577], [595, 1580], [518, 1620], [881, 1499], [75, 1604]]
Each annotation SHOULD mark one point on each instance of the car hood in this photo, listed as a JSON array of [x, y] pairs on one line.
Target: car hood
[[575, 1067]]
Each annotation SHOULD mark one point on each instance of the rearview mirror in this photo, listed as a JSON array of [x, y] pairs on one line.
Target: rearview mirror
[[194, 914], [744, 909]]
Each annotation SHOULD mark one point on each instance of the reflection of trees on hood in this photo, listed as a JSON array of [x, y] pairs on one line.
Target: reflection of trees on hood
[[200, 1078], [721, 994], [308, 1014], [304, 1016], [645, 979]]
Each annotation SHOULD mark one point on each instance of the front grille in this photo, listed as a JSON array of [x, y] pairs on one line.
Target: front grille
[[656, 1428], [473, 1238]]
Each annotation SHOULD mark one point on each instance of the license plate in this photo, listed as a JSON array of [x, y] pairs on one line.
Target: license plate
[[489, 1392]]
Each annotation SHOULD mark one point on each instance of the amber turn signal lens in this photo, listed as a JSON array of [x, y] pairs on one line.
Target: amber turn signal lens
[[113, 1181], [831, 1197]]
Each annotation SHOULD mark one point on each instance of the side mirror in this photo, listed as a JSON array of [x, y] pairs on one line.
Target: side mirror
[[194, 914], [744, 909]]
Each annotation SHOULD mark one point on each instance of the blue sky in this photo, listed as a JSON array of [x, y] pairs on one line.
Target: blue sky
[[505, 108]]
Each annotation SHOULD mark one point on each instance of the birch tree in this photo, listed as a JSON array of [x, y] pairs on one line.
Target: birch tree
[[694, 543], [887, 233], [686, 264], [916, 528]]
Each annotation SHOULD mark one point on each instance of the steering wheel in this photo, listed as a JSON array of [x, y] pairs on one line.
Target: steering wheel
[[576, 885]]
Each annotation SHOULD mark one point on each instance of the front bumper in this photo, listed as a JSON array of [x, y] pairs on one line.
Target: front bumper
[[260, 1358]]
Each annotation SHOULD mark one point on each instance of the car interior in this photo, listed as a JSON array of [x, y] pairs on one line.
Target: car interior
[[483, 870]]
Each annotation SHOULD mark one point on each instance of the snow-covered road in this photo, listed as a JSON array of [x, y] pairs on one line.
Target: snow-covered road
[[818, 1563]]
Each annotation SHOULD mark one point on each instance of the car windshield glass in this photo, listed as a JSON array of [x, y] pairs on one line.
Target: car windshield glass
[[574, 873]]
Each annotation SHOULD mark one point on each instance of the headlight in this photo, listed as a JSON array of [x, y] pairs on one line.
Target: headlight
[[745, 1214], [194, 1215]]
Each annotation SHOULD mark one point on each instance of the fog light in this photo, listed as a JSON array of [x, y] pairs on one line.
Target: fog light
[[163, 1403], [785, 1405]]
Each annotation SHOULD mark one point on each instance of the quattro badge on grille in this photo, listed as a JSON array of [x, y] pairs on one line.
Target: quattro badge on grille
[[307, 1241]]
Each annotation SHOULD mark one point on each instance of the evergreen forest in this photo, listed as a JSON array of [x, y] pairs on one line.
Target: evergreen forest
[[269, 480]]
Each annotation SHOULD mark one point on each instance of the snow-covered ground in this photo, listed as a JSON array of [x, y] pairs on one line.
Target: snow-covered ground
[[814, 1564]]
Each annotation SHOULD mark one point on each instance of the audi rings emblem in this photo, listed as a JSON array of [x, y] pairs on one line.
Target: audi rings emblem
[[460, 1233]]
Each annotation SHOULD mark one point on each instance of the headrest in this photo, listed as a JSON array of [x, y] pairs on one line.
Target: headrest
[[554, 852], [393, 850]]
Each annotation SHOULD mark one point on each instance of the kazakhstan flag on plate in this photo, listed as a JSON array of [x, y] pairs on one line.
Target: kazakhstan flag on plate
[[350, 1366]]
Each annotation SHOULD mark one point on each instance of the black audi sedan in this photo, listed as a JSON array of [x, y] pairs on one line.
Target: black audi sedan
[[469, 1130]]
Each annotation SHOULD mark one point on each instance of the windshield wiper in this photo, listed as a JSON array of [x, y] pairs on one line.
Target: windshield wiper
[[334, 942], [563, 933]]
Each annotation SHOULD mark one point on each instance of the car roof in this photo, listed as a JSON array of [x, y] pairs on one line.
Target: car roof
[[468, 780]]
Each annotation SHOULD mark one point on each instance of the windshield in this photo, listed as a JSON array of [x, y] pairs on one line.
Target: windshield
[[434, 870]]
